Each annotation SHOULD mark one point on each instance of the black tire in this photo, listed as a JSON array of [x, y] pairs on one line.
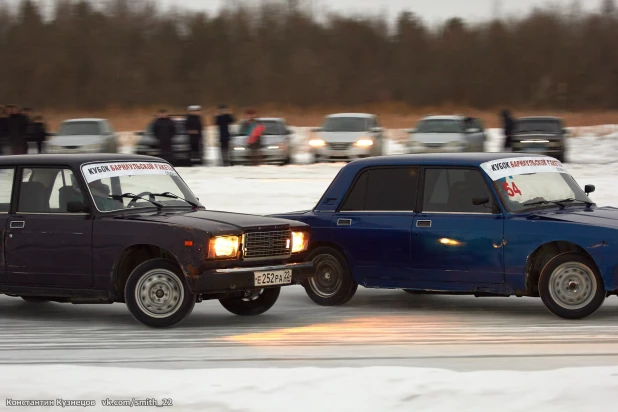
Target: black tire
[[332, 284], [571, 286], [153, 276], [252, 303], [35, 299]]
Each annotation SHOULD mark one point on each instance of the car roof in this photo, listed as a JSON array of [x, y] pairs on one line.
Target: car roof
[[445, 159], [73, 160], [85, 119], [444, 117], [540, 118], [364, 115]]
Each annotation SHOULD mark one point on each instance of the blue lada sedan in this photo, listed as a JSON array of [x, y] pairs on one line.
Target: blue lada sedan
[[484, 224]]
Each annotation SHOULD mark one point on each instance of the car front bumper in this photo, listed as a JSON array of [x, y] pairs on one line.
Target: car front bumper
[[237, 279], [243, 155], [350, 153]]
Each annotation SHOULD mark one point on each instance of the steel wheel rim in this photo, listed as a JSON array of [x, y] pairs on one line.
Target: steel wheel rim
[[159, 293], [252, 295], [572, 285], [327, 280]]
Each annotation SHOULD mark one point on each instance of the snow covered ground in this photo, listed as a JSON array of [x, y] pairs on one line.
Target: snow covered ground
[[488, 333]]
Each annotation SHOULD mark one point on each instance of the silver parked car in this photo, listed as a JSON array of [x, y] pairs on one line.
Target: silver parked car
[[348, 136], [276, 143], [83, 136], [447, 134]]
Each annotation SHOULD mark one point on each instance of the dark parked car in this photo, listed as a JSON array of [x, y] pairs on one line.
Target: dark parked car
[[148, 144], [126, 228], [541, 135], [471, 223]]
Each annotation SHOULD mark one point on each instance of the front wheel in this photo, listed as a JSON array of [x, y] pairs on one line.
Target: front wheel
[[252, 302], [332, 284], [571, 287], [157, 294]]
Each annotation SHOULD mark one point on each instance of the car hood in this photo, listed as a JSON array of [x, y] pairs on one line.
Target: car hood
[[598, 216], [342, 137], [438, 137], [79, 140], [266, 140], [214, 222]]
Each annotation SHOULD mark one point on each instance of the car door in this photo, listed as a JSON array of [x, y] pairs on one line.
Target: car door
[[373, 225], [7, 177], [455, 240], [47, 245]]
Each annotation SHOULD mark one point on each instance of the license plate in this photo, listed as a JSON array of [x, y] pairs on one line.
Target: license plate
[[276, 277]]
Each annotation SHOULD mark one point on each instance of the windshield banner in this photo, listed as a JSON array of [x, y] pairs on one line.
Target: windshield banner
[[501, 168], [98, 171]]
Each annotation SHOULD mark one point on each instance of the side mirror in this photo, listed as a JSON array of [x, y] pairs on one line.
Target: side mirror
[[77, 207], [138, 133], [589, 189], [481, 200]]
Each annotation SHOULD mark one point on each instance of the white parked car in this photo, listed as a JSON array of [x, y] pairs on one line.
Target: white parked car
[[348, 136], [83, 136], [446, 134]]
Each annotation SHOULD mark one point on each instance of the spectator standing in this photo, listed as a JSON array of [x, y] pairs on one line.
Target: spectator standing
[[254, 132], [508, 124], [223, 122], [37, 132], [17, 126], [164, 130], [195, 128], [4, 131]]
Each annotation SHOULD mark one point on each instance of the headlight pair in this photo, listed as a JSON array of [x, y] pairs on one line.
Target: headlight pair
[[227, 247]]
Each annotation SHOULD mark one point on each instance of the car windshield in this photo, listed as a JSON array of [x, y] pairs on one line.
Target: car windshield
[[537, 126], [79, 129], [440, 126], [528, 183], [111, 183], [345, 124]]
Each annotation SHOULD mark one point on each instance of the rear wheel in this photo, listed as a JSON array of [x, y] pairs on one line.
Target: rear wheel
[[252, 302], [571, 287], [332, 284], [157, 294]]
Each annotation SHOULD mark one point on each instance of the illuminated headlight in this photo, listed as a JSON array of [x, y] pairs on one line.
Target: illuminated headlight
[[239, 148], [300, 241], [223, 247], [364, 143], [317, 143], [273, 147]]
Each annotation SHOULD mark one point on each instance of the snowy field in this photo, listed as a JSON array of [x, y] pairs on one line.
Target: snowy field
[[495, 336]]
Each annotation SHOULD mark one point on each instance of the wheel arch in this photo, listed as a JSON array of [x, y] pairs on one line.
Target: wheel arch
[[338, 248], [131, 257], [543, 254]]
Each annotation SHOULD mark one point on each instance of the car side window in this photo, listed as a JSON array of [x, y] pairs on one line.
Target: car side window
[[384, 190], [6, 189], [48, 190], [452, 190]]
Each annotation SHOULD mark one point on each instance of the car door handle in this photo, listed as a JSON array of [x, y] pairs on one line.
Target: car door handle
[[423, 223], [17, 224], [344, 222]]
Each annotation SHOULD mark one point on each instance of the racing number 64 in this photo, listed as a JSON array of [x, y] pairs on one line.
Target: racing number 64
[[511, 190]]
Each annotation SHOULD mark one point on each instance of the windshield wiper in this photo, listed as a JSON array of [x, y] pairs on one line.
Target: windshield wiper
[[562, 203], [173, 196], [136, 197]]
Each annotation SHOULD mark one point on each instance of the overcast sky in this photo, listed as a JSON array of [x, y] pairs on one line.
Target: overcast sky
[[430, 10]]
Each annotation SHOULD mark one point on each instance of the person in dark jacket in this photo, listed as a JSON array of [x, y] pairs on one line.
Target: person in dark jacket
[[4, 131], [37, 132], [508, 124], [164, 130], [223, 122], [195, 129], [17, 127]]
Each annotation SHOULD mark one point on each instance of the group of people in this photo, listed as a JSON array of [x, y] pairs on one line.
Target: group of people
[[164, 129], [19, 127]]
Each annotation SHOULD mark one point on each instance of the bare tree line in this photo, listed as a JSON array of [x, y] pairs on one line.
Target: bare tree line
[[127, 53]]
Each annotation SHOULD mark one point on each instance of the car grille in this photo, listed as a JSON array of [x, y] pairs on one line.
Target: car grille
[[267, 245], [339, 146]]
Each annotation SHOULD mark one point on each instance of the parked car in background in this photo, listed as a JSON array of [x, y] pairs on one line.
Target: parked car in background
[[483, 224], [447, 134], [124, 228], [348, 136], [83, 136], [148, 144], [542, 135], [276, 142]]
